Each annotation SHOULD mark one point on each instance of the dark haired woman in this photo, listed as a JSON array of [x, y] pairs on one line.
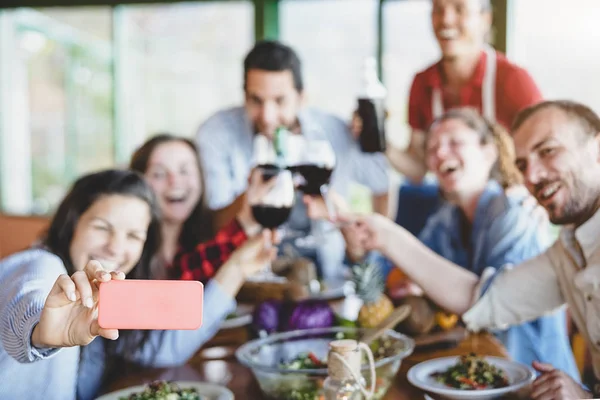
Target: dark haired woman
[[191, 248], [105, 228]]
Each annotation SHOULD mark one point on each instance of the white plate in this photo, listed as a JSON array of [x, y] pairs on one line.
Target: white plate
[[210, 390], [243, 317], [334, 289], [519, 375]]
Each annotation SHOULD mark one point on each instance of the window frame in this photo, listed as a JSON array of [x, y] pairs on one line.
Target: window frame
[[266, 26]]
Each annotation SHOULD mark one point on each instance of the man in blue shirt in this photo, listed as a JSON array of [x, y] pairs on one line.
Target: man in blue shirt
[[274, 94]]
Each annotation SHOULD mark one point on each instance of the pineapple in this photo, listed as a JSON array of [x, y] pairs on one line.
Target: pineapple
[[370, 285]]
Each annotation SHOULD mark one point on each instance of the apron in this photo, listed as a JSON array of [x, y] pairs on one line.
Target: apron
[[424, 191], [488, 91]]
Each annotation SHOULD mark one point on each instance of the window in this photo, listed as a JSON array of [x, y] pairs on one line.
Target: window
[[558, 44], [182, 63], [82, 87], [409, 47], [62, 72], [332, 38]]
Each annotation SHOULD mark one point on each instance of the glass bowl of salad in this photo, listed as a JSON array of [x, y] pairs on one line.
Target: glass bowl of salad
[[293, 365]]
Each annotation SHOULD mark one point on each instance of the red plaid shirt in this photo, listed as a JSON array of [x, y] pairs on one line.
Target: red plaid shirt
[[202, 262]]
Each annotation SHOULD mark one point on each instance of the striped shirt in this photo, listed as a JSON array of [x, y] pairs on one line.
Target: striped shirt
[[58, 374]]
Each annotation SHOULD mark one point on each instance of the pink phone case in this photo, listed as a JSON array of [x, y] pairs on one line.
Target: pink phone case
[[150, 304]]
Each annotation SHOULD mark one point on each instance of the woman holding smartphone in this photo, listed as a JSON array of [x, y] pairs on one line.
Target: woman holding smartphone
[[106, 227]]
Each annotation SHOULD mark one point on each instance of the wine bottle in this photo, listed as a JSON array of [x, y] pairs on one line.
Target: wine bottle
[[371, 109]]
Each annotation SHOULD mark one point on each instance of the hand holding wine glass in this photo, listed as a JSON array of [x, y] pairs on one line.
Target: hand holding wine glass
[[315, 166], [273, 209], [317, 209], [258, 187]]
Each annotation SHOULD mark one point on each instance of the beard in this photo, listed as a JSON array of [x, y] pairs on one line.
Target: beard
[[578, 207]]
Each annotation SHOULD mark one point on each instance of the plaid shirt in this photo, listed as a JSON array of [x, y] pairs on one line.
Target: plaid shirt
[[202, 262]]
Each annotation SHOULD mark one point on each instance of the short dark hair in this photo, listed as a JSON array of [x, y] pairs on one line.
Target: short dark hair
[[582, 114], [200, 225], [270, 55], [486, 5]]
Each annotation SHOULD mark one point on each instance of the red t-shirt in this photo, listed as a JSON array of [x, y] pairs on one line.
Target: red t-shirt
[[515, 90]]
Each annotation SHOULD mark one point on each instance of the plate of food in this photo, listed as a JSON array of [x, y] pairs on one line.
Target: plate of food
[[470, 377], [163, 390], [242, 316]]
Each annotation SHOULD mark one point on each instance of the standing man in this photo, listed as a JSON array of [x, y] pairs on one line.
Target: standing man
[[470, 73], [274, 94]]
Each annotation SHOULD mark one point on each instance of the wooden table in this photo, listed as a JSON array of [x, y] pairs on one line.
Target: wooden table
[[218, 365]]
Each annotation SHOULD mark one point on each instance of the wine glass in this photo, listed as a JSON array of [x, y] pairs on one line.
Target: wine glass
[[273, 209], [315, 169]]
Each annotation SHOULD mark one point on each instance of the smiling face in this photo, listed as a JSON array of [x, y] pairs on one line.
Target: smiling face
[[113, 231], [174, 175], [460, 161], [272, 100], [560, 164], [460, 26]]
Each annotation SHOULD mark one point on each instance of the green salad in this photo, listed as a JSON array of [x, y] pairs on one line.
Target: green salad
[[306, 389], [381, 348], [472, 373], [162, 390]]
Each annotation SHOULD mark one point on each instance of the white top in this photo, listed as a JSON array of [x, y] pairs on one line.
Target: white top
[[568, 272]]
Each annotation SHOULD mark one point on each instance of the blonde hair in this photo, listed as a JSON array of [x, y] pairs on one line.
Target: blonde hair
[[504, 170]]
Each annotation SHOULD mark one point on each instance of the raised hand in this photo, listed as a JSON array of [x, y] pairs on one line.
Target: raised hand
[[70, 314], [257, 186], [367, 232], [355, 125], [257, 189], [317, 209], [255, 253]]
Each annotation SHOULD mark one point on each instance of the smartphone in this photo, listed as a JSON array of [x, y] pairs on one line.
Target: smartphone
[[150, 304]]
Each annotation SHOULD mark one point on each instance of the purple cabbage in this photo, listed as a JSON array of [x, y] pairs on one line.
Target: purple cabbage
[[310, 314], [266, 316], [276, 316]]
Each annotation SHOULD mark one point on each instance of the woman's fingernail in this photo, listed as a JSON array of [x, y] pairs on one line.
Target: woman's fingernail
[[89, 303], [71, 296], [105, 276]]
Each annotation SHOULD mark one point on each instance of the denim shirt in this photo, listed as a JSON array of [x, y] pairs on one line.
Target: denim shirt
[[505, 231]]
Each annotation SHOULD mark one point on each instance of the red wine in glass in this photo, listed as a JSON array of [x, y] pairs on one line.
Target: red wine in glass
[[314, 176], [270, 217]]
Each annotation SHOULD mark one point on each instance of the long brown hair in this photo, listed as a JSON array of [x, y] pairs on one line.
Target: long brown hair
[[504, 170], [199, 226]]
